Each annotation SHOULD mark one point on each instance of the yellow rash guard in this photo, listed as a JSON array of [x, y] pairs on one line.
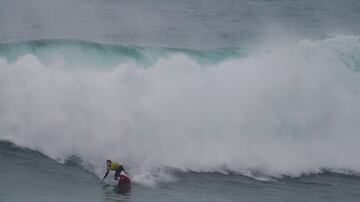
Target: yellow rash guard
[[114, 165]]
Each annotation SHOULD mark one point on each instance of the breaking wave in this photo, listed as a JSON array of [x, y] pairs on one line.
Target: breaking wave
[[289, 109]]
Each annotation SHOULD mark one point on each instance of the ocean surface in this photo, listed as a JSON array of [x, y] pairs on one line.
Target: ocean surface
[[203, 100]]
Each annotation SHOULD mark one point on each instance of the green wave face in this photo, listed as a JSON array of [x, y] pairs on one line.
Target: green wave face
[[92, 54]]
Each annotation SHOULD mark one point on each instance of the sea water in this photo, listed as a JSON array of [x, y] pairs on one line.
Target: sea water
[[200, 100]]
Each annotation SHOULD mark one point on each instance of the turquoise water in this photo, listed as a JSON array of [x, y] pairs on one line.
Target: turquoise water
[[93, 54], [200, 100]]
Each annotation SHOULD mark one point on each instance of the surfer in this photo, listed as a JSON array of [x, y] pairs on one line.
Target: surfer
[[113, 165]]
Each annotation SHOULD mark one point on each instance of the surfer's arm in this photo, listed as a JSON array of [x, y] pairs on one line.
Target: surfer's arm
[[106, 174]]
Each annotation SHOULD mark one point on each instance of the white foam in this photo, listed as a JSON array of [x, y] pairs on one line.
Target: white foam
[[285, 110]]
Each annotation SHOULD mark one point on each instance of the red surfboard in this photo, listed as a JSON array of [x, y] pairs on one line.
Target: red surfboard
[[124, 179]]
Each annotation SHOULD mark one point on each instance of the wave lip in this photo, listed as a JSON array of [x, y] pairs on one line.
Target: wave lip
[[78, 53]]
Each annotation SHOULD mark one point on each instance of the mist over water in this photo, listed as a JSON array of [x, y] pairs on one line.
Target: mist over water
[[283, 110]]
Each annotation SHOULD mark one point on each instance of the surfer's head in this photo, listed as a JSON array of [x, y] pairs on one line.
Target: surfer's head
[[108, 162]]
